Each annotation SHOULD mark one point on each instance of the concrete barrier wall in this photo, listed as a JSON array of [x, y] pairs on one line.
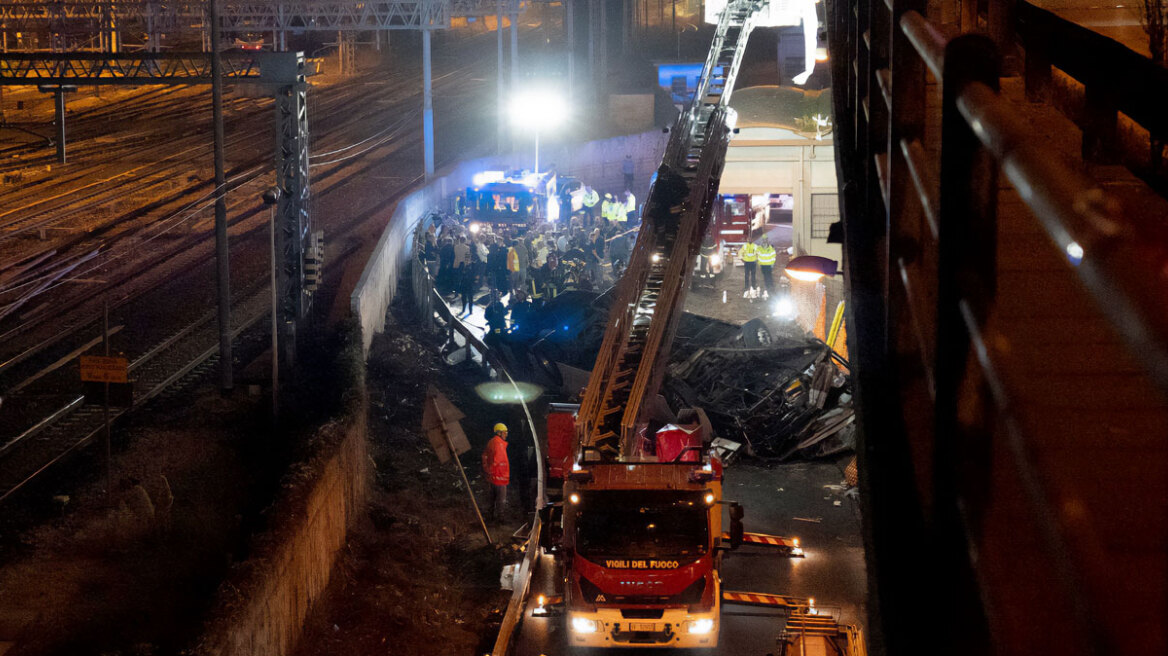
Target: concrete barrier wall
[[597, 163], [263, 604]]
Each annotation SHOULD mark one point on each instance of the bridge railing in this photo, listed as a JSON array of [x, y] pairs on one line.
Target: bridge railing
[[951, 470], [1117, 97]]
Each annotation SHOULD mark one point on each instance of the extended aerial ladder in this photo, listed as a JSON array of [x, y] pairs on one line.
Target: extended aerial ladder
[[651, 294], [600, 586]]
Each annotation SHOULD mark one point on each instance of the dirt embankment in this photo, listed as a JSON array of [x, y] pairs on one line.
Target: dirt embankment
[[133, 574], [417, 577], [194, 478]]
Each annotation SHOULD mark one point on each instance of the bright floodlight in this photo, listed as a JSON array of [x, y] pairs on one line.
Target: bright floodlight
[[538, 109]]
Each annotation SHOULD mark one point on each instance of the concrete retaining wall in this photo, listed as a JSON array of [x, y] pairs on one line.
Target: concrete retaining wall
[[263, 605], [597, 163]]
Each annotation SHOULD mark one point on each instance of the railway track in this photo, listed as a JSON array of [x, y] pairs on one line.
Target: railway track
[[180, 357]]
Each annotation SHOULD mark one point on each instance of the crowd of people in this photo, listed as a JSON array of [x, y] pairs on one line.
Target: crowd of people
[[482, 265]]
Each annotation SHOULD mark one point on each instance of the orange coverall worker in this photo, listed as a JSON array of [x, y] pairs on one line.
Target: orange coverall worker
[[497, 469]]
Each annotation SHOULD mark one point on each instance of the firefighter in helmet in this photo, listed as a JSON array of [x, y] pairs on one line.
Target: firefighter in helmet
[[497, 470]]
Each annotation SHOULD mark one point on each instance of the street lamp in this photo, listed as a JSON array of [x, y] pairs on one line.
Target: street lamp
[[538, 110], [683, 30], [811, 268]]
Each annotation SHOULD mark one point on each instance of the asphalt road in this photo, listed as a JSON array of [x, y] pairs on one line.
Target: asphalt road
[[832, 572]]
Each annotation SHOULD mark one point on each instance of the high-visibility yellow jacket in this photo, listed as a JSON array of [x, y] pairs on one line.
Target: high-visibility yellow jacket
[[766, 255], [748, 252], [512, 260]]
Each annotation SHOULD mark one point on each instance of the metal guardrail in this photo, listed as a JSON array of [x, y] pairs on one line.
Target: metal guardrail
[[430, 304], [515, 607]]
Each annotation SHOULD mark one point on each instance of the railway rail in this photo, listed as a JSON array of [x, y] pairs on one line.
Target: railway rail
[[180, 357], [50, 437]]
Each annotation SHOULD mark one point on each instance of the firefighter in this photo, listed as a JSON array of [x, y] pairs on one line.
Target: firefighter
[[497, 470], [766, 264], [749, 255], [591, 198]]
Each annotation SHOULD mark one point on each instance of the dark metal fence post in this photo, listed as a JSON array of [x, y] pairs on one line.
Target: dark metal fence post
[[1099, 122], [1036, 43], [906, 124], [966, 275], [1003, 30]]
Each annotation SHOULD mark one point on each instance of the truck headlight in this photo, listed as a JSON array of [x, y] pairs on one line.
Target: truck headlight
[[699, 627], [584, 625]]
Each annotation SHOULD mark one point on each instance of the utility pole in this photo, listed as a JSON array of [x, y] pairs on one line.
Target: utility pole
[[570, 28], [223, 265], [427, 105], [514, 46], [271, 197], [105, 413], [502, 93]]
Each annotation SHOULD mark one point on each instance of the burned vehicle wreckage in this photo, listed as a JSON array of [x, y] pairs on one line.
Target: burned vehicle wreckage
[[767, 391]]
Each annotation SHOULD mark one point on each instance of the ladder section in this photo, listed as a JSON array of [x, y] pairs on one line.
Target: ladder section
[[652, 292]]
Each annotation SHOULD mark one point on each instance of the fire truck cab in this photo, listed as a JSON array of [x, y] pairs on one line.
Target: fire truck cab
[[642, 548]]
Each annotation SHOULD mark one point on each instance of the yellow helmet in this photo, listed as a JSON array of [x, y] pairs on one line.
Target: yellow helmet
[[500, 428]]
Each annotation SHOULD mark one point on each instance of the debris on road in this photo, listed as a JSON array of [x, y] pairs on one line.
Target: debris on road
[[783, 398]]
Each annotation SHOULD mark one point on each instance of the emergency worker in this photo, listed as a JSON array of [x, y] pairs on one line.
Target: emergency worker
[[766, 264], [591, 198], [606, 207], [749, 255], [630, 206], [497, 470]]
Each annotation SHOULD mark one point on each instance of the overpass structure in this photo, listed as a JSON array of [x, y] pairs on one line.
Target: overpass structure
[[1003, 213]]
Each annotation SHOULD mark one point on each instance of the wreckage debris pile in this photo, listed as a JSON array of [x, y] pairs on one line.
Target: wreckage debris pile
[[785, 402]]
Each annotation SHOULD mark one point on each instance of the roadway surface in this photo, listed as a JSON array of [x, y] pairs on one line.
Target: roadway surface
[[832, 572], [1116, 20]]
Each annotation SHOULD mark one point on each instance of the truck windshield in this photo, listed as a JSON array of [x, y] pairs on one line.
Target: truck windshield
[[640, 524]]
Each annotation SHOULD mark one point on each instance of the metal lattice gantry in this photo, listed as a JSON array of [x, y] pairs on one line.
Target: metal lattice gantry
[[85, 68], [295, 225], [241, 16]]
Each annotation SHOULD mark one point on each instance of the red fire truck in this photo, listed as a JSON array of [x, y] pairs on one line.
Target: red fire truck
[[642, 539]]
